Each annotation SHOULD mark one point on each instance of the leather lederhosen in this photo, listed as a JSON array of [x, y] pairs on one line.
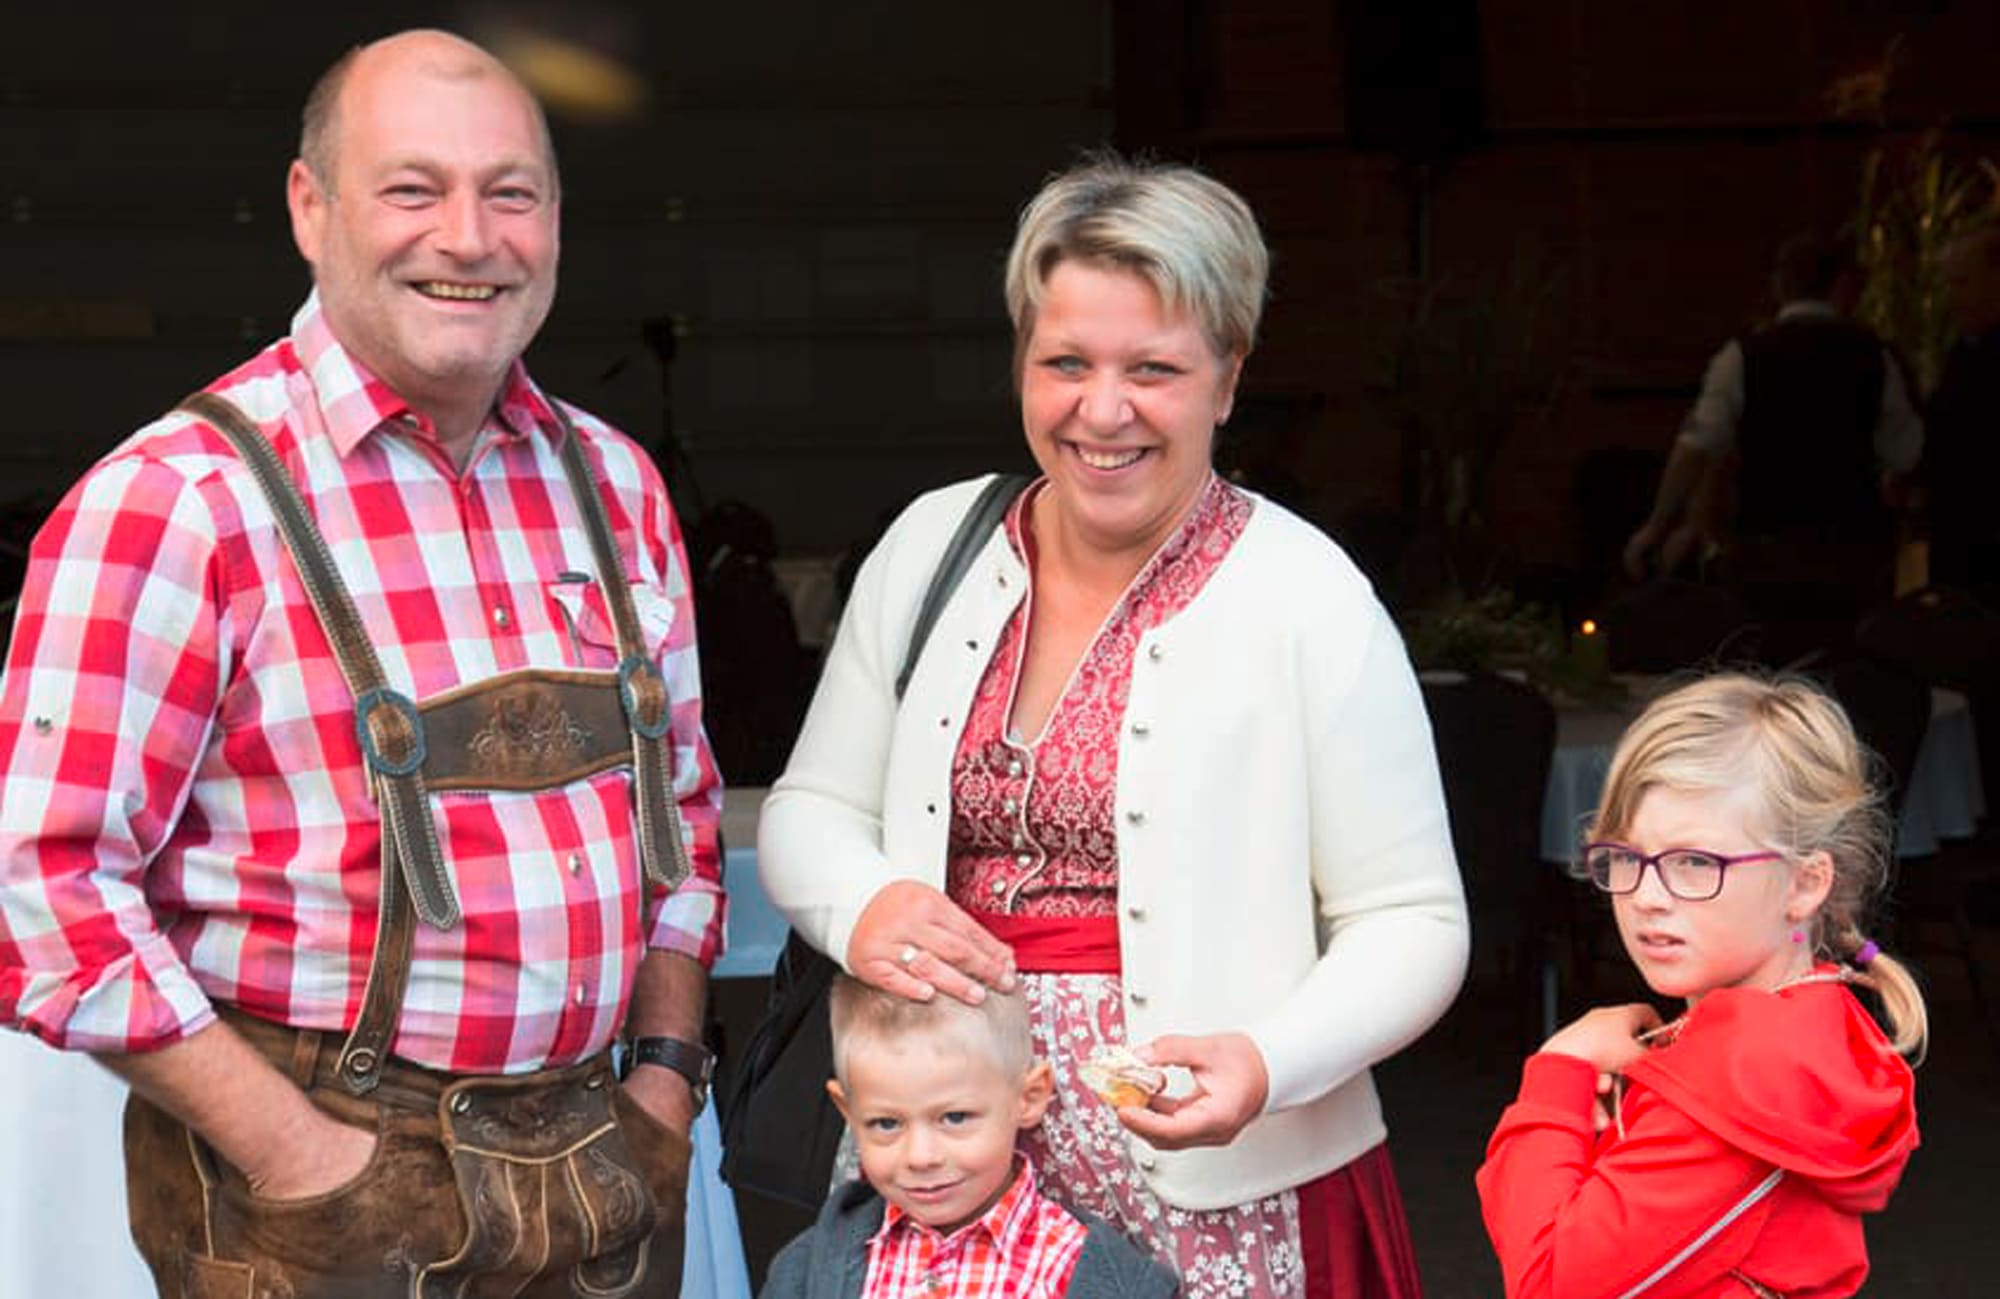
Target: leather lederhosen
[[546, 1184]]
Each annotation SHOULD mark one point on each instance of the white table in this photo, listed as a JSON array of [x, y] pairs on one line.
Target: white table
[[63, 1230], [1946, 799]]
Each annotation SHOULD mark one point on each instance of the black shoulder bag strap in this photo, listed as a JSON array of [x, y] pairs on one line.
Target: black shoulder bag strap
[[779, 1129], [965, 544]]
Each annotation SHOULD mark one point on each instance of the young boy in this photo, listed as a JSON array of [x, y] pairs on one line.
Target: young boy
[[945, 1209]]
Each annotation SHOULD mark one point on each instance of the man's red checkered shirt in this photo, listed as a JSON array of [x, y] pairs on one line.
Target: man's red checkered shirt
[[1024, 1247], [183, 812]]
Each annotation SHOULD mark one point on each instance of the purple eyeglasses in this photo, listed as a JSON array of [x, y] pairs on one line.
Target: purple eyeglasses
[[1690, 874]]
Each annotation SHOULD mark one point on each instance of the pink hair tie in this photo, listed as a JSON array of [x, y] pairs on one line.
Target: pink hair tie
[[1867, 952]]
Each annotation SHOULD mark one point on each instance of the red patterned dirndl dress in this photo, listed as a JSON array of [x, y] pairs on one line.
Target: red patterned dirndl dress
[[1033, 855]]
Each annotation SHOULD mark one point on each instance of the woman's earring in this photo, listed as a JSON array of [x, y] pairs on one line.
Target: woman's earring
[[1798, 934]]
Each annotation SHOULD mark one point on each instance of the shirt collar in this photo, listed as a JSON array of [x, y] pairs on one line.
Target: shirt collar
[[354, 402], [1004, 1224]]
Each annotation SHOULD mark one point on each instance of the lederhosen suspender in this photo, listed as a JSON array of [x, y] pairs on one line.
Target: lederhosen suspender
[[531, 729]]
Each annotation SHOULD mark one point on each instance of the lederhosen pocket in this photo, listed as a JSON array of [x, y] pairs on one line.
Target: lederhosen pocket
[[544, 1171]]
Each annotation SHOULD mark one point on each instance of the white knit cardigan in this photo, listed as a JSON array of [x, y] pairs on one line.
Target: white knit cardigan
[[1284, 864]]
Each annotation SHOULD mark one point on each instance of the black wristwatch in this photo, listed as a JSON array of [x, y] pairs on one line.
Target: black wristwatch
[[690, 1060]]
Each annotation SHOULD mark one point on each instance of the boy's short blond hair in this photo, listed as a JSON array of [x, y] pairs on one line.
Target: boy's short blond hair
[[997, 1028]]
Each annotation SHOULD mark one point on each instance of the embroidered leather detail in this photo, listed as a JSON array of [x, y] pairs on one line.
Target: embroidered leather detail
[[527, 735], [525, 730]]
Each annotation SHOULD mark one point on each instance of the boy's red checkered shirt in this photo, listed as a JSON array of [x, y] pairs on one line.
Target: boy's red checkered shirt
[[184, 814], [1024, 1247]]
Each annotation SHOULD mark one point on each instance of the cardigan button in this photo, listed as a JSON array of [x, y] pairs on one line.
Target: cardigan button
[[1147, 1163], [1138, 998], [1135, 912], [1136, 817], [1141, 730], [1156, 652]]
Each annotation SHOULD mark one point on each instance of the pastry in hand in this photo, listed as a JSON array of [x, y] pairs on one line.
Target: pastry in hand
[[1120, 1077]]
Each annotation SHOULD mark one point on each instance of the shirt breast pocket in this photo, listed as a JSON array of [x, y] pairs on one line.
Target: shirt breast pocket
[[584, 615]]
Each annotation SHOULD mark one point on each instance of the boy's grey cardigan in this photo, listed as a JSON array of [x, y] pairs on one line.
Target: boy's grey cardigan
[[830, 1260]]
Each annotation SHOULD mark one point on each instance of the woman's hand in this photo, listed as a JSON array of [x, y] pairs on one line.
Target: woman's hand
[[1607, 1037], [915, 942], [1230, 1086]]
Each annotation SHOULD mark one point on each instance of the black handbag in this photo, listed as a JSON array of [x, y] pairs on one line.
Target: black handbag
[[780, 1130]]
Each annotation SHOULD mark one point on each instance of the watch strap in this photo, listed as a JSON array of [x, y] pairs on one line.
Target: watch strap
[[690, 1060]]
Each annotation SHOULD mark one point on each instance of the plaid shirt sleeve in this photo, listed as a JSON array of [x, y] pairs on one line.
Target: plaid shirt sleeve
[[111, 686]]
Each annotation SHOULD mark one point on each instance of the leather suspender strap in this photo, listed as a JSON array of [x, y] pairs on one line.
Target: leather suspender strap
[[392, 734], [641, 688], [392, 745]]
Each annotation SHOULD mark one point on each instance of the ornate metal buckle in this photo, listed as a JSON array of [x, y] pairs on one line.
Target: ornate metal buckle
[[629, 672], [383, 697]]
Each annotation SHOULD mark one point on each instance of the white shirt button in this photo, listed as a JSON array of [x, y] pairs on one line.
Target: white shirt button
[[580, 994], [1014, 767], [997, 887], [575, 863], [502, 619], [1023, 859]]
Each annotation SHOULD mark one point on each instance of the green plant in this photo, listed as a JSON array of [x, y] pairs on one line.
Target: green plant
[[1915, 200], [1495, 632], [1483, 633]]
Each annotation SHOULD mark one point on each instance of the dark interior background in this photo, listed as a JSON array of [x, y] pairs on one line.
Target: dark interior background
[[819, 198]]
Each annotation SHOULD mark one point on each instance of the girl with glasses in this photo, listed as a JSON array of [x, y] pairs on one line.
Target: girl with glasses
[[1733, 1150]]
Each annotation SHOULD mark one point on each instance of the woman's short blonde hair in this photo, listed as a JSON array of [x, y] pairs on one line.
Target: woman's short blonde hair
[[1189, 236], [1793, 748]]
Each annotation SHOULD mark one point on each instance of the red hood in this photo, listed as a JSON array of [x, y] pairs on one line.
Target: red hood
[[1802, 1078]]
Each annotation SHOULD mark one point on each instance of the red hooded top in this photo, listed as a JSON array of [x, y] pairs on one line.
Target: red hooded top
[[1799, 1083]]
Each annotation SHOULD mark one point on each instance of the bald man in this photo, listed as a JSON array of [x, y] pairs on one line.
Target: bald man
[[355, 796]]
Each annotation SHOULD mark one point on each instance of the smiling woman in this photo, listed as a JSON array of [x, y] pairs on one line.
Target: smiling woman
[[1166, 766]]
